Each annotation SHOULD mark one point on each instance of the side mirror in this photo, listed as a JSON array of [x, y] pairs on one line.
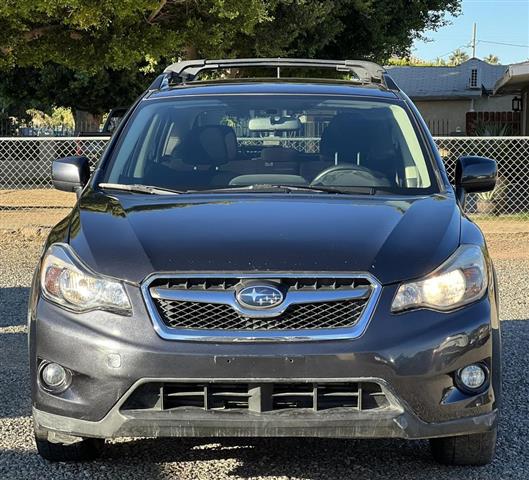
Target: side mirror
[[70, 174], [475, 174]]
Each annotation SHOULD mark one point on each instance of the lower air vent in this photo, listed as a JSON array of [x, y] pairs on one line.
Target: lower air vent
[[257, 397]]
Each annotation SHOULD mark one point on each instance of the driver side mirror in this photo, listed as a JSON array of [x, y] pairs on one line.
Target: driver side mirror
[[475, 174], [70, 174]]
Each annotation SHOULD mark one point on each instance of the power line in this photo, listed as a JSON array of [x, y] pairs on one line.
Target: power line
[[466, 45], [504, 43]]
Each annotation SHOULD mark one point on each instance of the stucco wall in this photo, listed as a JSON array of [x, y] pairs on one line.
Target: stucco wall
[[445, 117], [499, 103]]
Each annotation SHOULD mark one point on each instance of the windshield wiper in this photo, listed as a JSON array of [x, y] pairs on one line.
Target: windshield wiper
[[263, 188], [345, 190], [138, 188], [242, 188]]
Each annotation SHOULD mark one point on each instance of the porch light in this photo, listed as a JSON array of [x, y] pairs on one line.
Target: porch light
[[517, 104]]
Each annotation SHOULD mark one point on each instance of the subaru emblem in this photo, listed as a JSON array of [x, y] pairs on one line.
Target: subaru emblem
[[260, 296]]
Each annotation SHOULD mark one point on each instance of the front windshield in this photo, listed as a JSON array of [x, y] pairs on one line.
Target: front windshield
[[236, 141]]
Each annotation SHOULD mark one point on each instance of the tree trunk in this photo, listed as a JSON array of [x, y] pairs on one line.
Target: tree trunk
[[190, 52], [87, 122]]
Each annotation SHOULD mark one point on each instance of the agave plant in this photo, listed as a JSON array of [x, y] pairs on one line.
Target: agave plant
[[492, 129]]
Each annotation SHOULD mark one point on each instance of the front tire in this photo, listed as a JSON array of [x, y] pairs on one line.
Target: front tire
[[81, 451], [474, 449]]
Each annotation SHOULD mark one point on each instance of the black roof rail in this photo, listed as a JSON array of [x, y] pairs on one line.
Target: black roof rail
[[390, 83], [188, 70]]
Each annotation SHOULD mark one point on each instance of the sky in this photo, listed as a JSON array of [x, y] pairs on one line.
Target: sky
[[502, 21]]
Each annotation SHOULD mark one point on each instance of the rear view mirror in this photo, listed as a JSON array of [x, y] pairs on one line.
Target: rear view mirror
[[273, 124], [475, 174], [70, 174]]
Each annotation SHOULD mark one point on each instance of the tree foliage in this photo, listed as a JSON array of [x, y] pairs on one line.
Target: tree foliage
[[416, 62], [457, 57], [93, 34], [87, 53], [52, 85], [90, 35], [492, 59]]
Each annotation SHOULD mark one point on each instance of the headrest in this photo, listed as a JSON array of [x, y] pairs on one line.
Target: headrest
[[340, 134], [278, 154], [348, 133], [209, 145]]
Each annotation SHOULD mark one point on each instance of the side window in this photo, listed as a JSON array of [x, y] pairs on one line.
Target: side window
[[147, 152], [134, 148], [416, 171], [172, 140]]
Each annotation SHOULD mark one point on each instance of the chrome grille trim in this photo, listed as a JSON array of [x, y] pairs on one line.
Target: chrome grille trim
[[227, 297]]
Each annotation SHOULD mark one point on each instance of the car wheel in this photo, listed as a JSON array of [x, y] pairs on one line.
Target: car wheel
[[474, 449], [83, 450]]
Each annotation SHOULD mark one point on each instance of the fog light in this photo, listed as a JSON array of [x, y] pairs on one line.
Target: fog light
[[55, 377], [473, 376]]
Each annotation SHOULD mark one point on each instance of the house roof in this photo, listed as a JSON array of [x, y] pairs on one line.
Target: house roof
[[446, 82], [515, 78]]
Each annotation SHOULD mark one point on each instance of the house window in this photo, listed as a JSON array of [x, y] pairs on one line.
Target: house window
[[474, 78]]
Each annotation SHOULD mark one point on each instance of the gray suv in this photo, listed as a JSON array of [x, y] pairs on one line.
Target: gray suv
[[267, 256]]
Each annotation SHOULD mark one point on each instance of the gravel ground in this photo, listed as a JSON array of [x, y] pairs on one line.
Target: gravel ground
[[252, 458]]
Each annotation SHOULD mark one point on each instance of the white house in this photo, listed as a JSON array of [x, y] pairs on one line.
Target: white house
[[445, 95]]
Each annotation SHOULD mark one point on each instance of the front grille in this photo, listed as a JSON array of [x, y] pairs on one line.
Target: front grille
[[182, 303], [257, 397], [196, 315]]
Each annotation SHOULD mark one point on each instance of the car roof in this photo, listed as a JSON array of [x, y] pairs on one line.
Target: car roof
[[274, 87]]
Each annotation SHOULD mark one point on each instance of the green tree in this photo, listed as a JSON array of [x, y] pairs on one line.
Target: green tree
[[492, 59], [416, 62], [88, 95], [101, 45], [90, 35], [457, 57]]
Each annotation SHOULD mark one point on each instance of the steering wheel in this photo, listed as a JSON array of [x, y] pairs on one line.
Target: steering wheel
[[377, 177]]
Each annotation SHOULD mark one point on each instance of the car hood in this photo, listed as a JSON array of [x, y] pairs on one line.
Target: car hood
[[130, 236]]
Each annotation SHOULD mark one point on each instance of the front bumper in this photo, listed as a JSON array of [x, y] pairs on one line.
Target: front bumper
[[413, 356], [388, 424]]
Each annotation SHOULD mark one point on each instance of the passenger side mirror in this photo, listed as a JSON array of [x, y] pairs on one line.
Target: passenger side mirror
[[70, 174], [475, 174]]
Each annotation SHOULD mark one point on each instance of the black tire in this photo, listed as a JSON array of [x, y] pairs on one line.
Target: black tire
[[475, 449], [82, 451]]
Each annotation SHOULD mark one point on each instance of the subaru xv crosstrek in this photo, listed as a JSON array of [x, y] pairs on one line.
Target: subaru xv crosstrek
[[268, 256]]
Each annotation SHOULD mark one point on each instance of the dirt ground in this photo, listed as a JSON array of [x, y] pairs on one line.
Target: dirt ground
[[507, 239], [33, 209], [43, 208], [36, 198]]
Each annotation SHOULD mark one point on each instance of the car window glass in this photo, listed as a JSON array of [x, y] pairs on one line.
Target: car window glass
[[234, 140]]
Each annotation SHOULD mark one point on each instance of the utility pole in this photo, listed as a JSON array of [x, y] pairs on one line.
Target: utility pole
[[474, 29]]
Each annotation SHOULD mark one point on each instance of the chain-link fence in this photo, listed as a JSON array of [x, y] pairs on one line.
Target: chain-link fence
[[305, 145], [510, 198], [27, 197]]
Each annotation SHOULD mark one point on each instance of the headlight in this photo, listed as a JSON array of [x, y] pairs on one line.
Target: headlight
[[67, 281], [460, 280]]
